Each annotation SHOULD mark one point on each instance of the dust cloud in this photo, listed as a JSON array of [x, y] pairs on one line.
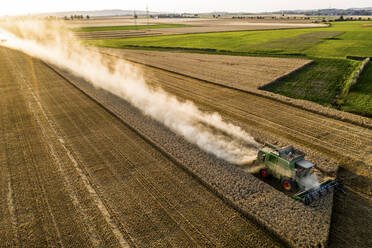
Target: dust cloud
[[52, 42], [310, 182]]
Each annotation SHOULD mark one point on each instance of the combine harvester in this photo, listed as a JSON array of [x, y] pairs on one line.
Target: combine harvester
[[295, 174]]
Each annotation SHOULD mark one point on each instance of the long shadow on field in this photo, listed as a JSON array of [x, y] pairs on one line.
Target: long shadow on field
[[352, 214]]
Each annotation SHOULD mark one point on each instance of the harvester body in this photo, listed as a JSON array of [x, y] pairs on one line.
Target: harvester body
[[294, 172]]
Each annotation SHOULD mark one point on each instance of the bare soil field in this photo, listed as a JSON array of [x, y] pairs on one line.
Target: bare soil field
[[74, 175], [327, 142], [240, 72]]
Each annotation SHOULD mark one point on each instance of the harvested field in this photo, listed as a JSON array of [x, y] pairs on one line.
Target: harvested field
[[306, 226], [116, 34], [327, 141], [196, 26], [74, 175], [188, 30], [235, 71]]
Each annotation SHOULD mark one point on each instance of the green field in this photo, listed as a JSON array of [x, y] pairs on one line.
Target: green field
[[320, 82], [338, 41], [359, 100], [132, 27]]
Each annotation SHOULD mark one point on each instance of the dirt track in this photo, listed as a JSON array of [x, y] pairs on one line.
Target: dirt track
[[73, 175], [326, 140]]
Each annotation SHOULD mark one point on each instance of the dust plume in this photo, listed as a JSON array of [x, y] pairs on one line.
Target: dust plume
[[310, 181], [53, 42]]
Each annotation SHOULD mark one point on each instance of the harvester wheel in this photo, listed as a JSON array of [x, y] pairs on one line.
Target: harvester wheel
[[288, 184], [264, 173]]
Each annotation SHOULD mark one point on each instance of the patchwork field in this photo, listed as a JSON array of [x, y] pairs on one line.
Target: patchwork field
[[338, 41], [202, 21], [327, 47], [173, 27]]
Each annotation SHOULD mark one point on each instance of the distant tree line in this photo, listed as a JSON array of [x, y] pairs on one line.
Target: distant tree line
[[270, 17], [339, 12], [77, 17], [175, 16], [342, 18]]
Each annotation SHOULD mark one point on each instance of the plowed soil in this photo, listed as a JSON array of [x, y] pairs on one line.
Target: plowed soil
[[327, 141], [74, 175]]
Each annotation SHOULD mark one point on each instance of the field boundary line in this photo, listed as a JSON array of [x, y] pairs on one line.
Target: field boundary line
[[310, 106]]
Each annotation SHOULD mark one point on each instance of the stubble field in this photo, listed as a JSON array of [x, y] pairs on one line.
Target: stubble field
[[234, 71], [74, 175], [327, 141]]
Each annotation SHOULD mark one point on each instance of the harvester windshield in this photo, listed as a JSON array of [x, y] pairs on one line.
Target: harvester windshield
[[303, 168]]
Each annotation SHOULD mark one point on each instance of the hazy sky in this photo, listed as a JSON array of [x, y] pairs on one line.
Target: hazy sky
[[12, 7]]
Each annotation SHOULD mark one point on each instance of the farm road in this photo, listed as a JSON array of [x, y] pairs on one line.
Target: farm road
[[74, 175]]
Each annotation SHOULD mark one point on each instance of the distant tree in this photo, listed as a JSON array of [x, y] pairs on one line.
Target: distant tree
[[72, 17], [341, 18], [88, 17], [66, 18]]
